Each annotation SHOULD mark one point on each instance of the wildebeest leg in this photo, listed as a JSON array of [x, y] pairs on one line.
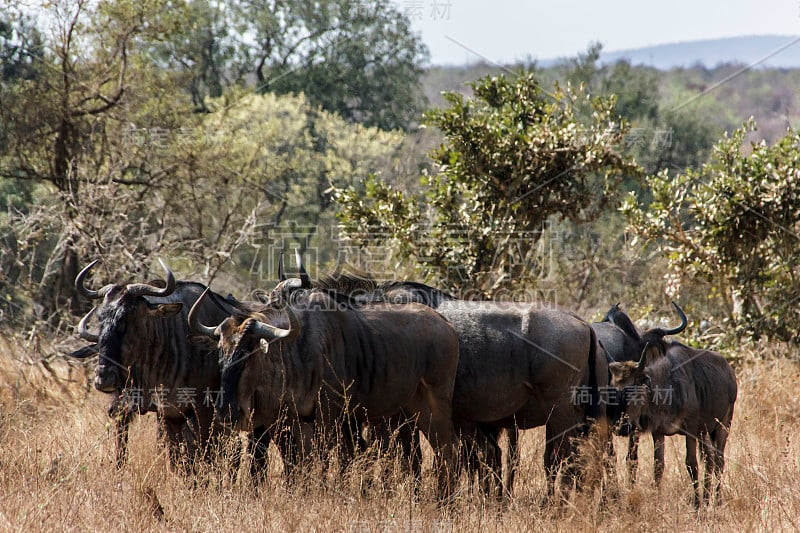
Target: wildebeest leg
[[559, 451], [122, 417], [434, 403], [350, 441], [408, 436], [121, 425], [691, 466], [719, 440], [173, 432], [493, 474], [258, 448], [207, 441], [707, 451], [401, 430], [468, 456], [633, 455], [550, 465], [486, 459], [658, 458], [513, 459], [609, 462]]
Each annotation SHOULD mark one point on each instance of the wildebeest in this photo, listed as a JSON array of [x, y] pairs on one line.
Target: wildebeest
[[148, 361], [519, 364], [328, 358], [681, 390], [621, 342]]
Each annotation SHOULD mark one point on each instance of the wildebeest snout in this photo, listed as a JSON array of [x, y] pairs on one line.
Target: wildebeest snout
[[106, 379]]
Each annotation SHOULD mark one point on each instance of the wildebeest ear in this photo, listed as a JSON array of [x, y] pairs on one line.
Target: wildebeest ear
[[650, 354], [618, 371], [85, 352], [164, 310], [622, 372]]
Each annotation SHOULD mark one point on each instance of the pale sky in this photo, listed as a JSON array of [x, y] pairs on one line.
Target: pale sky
[[504, 31]]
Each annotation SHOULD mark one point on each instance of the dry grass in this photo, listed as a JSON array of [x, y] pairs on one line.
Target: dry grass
[[56, 473]]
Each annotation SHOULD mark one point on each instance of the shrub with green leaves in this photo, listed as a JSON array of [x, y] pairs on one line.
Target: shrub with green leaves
[[515, 155], [736, 225]]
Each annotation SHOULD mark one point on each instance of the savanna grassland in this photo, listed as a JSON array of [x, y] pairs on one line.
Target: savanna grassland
[[57, 473]]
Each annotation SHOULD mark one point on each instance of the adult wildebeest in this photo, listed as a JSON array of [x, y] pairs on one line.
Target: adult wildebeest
[[682, 391], [519, 364], [327, 358], [148, 361], [621, 342]]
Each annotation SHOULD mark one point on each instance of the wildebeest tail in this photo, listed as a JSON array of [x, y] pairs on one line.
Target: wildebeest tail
[[593, 409]]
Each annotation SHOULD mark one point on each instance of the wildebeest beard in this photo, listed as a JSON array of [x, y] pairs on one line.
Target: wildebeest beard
[[232, 367], [111, 373]]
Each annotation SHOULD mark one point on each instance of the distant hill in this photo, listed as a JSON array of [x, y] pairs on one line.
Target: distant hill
[[713, 52]]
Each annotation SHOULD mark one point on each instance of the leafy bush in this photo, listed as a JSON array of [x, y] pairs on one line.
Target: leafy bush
[[734, 224]]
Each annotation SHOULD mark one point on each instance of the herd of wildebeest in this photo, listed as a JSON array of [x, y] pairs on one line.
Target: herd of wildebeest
[[318, 365]]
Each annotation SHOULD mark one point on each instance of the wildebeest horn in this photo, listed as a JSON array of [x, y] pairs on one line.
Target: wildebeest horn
[[643, 359], [281, 273], [83, 331], [83, 290], [194, 319], [145, 289], [675, 331], [270, 333], [304, 277]]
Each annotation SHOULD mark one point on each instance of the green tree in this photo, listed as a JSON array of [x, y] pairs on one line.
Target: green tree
[[50, 116], [515, 157], [733, 224], [201, 49], [358, 59], [668, 131], [21, 46], [258, 166]]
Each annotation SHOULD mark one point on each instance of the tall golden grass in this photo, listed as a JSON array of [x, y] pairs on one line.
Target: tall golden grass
[[57, 474]]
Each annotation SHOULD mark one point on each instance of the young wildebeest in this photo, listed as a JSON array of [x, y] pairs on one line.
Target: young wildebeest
[[148, 362], [621, 342], [519, 365], [681, 391], [329, 359]]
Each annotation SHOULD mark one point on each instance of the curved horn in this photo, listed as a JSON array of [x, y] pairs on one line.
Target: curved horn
[[271, 333], [194, 319], [83, 331], [145, 289], [281, 273], [682, 326], [83, 290], [304, 277], [643, 359]]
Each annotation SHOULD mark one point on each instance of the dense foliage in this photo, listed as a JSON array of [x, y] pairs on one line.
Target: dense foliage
[[515, 155], [734, 223], [358, 59]]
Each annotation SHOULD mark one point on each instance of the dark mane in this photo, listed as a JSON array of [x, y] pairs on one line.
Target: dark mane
[[617, 317], [361, 287], [340, 298], [413, 291], [354, 288], [347, 282]]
